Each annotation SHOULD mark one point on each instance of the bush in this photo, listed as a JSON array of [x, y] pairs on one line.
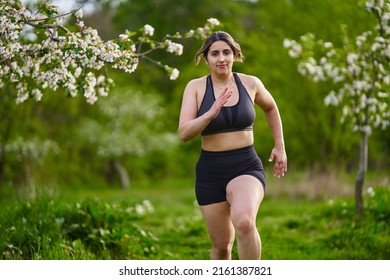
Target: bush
[[50, 229]]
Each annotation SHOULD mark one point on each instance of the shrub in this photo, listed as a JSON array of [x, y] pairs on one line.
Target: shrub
[[47, 228]]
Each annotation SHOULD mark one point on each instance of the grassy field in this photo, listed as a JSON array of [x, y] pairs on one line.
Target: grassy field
[[160, 221]]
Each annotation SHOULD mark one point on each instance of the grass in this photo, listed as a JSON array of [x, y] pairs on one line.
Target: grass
[[160, 221]]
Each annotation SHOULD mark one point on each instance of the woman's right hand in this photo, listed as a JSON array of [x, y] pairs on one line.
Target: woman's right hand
[[220, 102]]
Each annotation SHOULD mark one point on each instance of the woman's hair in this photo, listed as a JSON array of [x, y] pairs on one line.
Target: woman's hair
[[219, 36]]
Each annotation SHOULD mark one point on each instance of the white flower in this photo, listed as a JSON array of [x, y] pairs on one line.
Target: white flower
[[100, 79], [37, 94], [133, 48], [174, 47], [149, 30], [77, 72], [287, 43], [79, 13], [92, 99], [213, 21], [174, 74], [328, 45], [371, 192], [123, 37], [140, 209], [148, 206], [331, 99], [351, 58], [295, 49], [201, 31]]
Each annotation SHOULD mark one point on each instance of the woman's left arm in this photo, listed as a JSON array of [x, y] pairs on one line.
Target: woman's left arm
[[265, 100]]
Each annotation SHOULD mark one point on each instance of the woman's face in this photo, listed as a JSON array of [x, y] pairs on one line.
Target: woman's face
[[220, 57]]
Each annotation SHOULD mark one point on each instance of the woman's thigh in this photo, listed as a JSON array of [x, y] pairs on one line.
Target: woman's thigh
[[218, 222], [244, 194]]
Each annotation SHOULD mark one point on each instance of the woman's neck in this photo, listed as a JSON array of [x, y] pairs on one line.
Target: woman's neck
[[222, 81]]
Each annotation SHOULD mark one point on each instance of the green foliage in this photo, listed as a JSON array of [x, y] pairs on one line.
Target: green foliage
[[108, 230], [48, 228], [330, 230], [369, 236], [122, 225]]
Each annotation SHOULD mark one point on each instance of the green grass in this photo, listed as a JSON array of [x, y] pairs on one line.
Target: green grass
[[111, 223]]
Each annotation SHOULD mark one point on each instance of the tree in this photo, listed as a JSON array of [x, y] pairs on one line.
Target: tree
[[360, 72], [131, 125], [38, 52], [43, 50]]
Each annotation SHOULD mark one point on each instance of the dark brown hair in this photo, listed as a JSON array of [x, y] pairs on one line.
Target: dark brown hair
[[219, 36]]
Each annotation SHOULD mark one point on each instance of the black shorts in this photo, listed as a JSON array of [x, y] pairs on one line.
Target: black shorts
[[214, 170]]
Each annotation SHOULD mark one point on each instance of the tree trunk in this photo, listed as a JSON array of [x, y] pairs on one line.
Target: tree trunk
[[2, 160], [28, 186], [122, 172], [361, 173]]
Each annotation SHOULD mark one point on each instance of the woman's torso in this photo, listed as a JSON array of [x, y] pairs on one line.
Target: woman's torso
[[242, 99]]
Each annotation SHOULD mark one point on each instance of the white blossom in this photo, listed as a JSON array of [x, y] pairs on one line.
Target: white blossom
[[328, 45], [359, 72], [287, 43], [79, 13], [174, 74], [294, 48], [149, 30], [351, 58], [123, 37], [331, 99], [174, 47], [213, 21], [68, 59]]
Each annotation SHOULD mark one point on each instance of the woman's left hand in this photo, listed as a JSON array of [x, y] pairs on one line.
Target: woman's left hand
[[280, 157]]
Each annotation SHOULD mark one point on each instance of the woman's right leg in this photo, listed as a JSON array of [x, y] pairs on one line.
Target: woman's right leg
[[220, 228]]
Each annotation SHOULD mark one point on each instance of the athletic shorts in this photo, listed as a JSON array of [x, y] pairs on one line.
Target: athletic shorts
[[214, 170]]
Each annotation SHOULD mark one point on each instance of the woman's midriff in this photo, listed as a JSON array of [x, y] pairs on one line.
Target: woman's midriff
[[227, 141]]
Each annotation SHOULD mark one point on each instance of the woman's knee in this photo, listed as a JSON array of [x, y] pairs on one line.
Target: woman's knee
[[223, 247], [244, 225]]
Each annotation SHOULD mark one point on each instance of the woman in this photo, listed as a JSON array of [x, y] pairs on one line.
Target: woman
[[230, 180]]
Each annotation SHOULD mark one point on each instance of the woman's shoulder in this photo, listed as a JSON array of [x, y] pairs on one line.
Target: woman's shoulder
[[196, 85], [197, 82], [248, 80]]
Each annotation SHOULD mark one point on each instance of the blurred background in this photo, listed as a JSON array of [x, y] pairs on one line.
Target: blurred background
[[131, 135]]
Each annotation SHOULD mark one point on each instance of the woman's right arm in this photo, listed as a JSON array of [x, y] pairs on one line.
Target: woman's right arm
[[189, 124]]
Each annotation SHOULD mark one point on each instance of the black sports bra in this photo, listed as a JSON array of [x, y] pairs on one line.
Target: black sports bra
[[230, 118]]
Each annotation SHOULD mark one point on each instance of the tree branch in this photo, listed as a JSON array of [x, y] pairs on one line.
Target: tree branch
[[150, 51], [60, 15]]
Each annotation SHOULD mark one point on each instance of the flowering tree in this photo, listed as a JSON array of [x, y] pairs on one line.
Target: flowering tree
[[43, 50], [130, 125], [39, 53], [26, 152], [360, 72]]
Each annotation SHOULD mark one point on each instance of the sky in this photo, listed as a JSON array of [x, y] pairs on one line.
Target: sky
[[66, 5]]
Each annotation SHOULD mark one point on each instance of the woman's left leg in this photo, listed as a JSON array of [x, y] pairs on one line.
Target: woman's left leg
[[245, 194]]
